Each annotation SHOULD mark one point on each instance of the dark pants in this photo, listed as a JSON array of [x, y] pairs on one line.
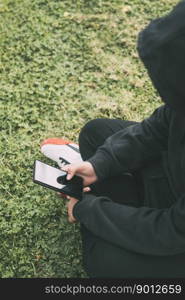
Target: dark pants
[[103, 259]]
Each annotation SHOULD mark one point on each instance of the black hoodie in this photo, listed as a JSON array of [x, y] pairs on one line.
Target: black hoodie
[[161, 47], [148, 229]]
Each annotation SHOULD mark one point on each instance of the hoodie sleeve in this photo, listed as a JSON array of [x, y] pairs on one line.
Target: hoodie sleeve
[[143, 230], [128, 149]]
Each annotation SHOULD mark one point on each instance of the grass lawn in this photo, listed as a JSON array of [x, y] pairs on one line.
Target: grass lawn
[[62, 63]]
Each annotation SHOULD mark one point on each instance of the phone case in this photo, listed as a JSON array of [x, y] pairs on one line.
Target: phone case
[[73, 187]]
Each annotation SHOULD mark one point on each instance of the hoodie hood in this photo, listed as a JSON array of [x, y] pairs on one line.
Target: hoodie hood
[[161, 47]]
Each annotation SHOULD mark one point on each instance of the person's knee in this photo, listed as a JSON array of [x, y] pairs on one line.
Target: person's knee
[[93, 135], [90, 129], [90, 133]]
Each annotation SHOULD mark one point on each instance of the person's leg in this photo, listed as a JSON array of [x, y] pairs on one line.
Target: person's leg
[[64, 151], [95, 132], [105, 260], [123, 189]]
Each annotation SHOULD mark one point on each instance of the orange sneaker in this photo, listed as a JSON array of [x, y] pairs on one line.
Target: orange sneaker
[[61, 151]]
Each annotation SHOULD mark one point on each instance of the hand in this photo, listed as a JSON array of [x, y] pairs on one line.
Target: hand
[[70, 206], [62, 195], [85, 170], [71, 203]]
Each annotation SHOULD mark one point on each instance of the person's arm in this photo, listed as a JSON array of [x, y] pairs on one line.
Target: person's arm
[[129, 148], [144, 230]]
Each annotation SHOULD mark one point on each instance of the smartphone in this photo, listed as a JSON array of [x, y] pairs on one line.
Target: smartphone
[[55, 179]]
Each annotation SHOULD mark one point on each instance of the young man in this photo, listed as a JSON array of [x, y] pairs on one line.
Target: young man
[[133, 218]]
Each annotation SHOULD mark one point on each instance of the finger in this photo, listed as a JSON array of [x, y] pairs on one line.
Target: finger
[[86, 189], [71, 220], [61, 195], [67, 207], [71, 173]]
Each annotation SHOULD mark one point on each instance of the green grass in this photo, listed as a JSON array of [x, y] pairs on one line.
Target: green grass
[[62, 63]]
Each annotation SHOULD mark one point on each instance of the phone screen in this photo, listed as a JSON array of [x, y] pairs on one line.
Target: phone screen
[[47, 175]]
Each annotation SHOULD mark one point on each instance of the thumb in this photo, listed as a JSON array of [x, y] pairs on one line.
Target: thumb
[[69, 170], [70, 173]]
